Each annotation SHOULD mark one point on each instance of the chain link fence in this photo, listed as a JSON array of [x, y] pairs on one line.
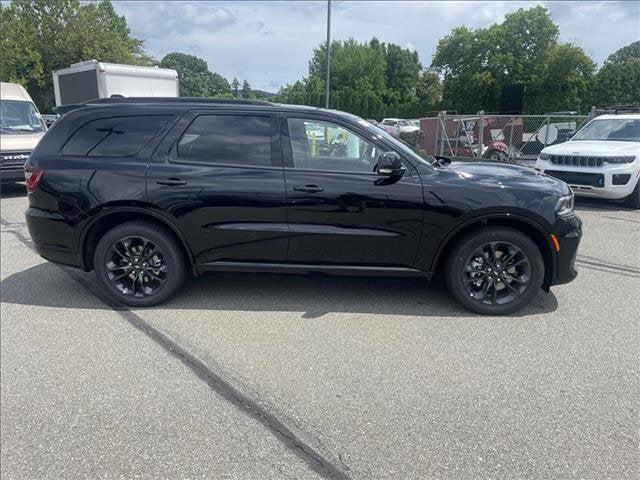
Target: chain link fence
[[504, 138]]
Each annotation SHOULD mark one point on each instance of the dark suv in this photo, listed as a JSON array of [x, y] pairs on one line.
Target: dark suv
[[145, 191]]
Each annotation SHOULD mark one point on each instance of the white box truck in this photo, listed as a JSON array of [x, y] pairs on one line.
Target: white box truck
[[91, 79]]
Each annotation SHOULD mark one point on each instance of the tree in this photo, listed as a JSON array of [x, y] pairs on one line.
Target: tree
[[371, 79], [246, 90], [625, 54], [563, 82], [428, 91], [618, 80], [235, 85], [40, 36], [194, 77], [477, 64], [20, 60]]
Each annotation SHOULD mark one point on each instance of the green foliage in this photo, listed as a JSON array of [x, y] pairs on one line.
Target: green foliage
[[235, 85], [372, 80], [618, 81], [625, 54], [246, 91], [20, 60], [40, 36], [563, 81], [476, 64], [195, 79]]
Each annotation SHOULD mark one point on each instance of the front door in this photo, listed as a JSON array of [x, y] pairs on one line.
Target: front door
[[219, 177], [340, 210]]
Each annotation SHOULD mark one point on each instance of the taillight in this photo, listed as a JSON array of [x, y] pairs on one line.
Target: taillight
[[33, 177]]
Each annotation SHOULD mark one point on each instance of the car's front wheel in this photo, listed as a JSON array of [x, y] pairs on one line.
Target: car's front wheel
[[495, 271], [633, 200], [139, 264]]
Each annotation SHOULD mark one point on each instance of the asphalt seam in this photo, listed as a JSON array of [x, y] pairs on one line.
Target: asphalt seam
[[309, 455]]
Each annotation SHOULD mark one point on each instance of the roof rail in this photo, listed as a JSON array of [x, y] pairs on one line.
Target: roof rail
[[61, 109], [231, 101], [615, 109]]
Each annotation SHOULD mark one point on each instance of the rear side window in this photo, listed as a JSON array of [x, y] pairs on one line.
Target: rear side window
[[227, 139], [115, 136]]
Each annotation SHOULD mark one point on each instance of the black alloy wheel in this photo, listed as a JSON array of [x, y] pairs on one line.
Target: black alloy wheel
[[136, 266], [140, 264], [496, 273], [495, 270]]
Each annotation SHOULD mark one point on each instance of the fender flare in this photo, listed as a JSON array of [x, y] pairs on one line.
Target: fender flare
[[483, 220], [143, 210]]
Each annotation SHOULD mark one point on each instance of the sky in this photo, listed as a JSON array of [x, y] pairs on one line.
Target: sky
[[270, 43]]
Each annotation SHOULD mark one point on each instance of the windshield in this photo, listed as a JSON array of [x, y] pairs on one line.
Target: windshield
[[18, 116], [615, 129]]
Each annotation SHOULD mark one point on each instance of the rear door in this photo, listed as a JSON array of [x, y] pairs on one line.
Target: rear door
[[219, 177], [340, 210]]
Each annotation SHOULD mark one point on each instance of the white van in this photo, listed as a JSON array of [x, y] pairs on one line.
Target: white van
[[21, 128]]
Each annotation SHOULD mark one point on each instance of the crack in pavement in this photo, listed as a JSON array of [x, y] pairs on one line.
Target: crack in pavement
[[622, 219], [604, 266], [314, 459]]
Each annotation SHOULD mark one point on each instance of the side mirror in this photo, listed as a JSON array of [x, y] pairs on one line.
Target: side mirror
[[390, 165]]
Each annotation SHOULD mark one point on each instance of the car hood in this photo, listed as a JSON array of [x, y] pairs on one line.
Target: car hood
[[594, 147], [19, 142], [506, 176]]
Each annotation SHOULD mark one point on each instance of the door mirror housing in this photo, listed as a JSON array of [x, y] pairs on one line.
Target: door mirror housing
[[390, 165]]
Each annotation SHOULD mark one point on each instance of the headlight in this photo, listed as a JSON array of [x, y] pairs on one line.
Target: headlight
[[544, 156], [564, 206], [627, 159]]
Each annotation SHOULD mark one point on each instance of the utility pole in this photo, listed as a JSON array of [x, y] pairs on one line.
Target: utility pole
[[326, 101]]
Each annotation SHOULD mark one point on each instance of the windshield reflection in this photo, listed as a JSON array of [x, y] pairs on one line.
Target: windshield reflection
[[18, 116]]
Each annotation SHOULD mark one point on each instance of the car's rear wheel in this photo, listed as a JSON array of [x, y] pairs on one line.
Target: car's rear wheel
[[495, 271], [139, 264]]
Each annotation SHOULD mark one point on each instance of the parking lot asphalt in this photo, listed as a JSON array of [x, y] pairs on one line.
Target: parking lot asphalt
[[272, 376]]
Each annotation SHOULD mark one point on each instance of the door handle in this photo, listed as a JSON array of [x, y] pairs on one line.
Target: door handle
[[308, 188], [171, 181]]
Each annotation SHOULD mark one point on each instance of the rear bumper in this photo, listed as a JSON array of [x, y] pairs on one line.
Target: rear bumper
[[569, 233], [52, 237]]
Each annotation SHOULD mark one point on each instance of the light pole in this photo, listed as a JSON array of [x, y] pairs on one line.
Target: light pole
[[326, 100]]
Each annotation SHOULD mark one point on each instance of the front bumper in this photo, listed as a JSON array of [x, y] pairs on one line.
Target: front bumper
[[12, 166], [568, 231], [12, 175], [596, 182]]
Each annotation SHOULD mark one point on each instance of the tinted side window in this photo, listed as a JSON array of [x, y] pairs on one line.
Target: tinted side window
[[232, 139], [115, 136], [320, 145]]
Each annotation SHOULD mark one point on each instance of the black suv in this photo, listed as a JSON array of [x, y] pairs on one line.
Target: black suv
[[145, 191]]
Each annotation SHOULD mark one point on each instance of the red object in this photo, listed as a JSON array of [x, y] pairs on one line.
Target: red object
[[33, 177]]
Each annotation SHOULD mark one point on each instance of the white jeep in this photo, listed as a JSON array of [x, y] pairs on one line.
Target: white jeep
[[601, 160]]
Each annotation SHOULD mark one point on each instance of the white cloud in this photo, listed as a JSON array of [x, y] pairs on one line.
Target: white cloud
[[270, 43]]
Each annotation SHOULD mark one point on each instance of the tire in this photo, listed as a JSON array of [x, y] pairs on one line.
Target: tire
[[633, 200], [469, 269], [496, 156], [121, 269]]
